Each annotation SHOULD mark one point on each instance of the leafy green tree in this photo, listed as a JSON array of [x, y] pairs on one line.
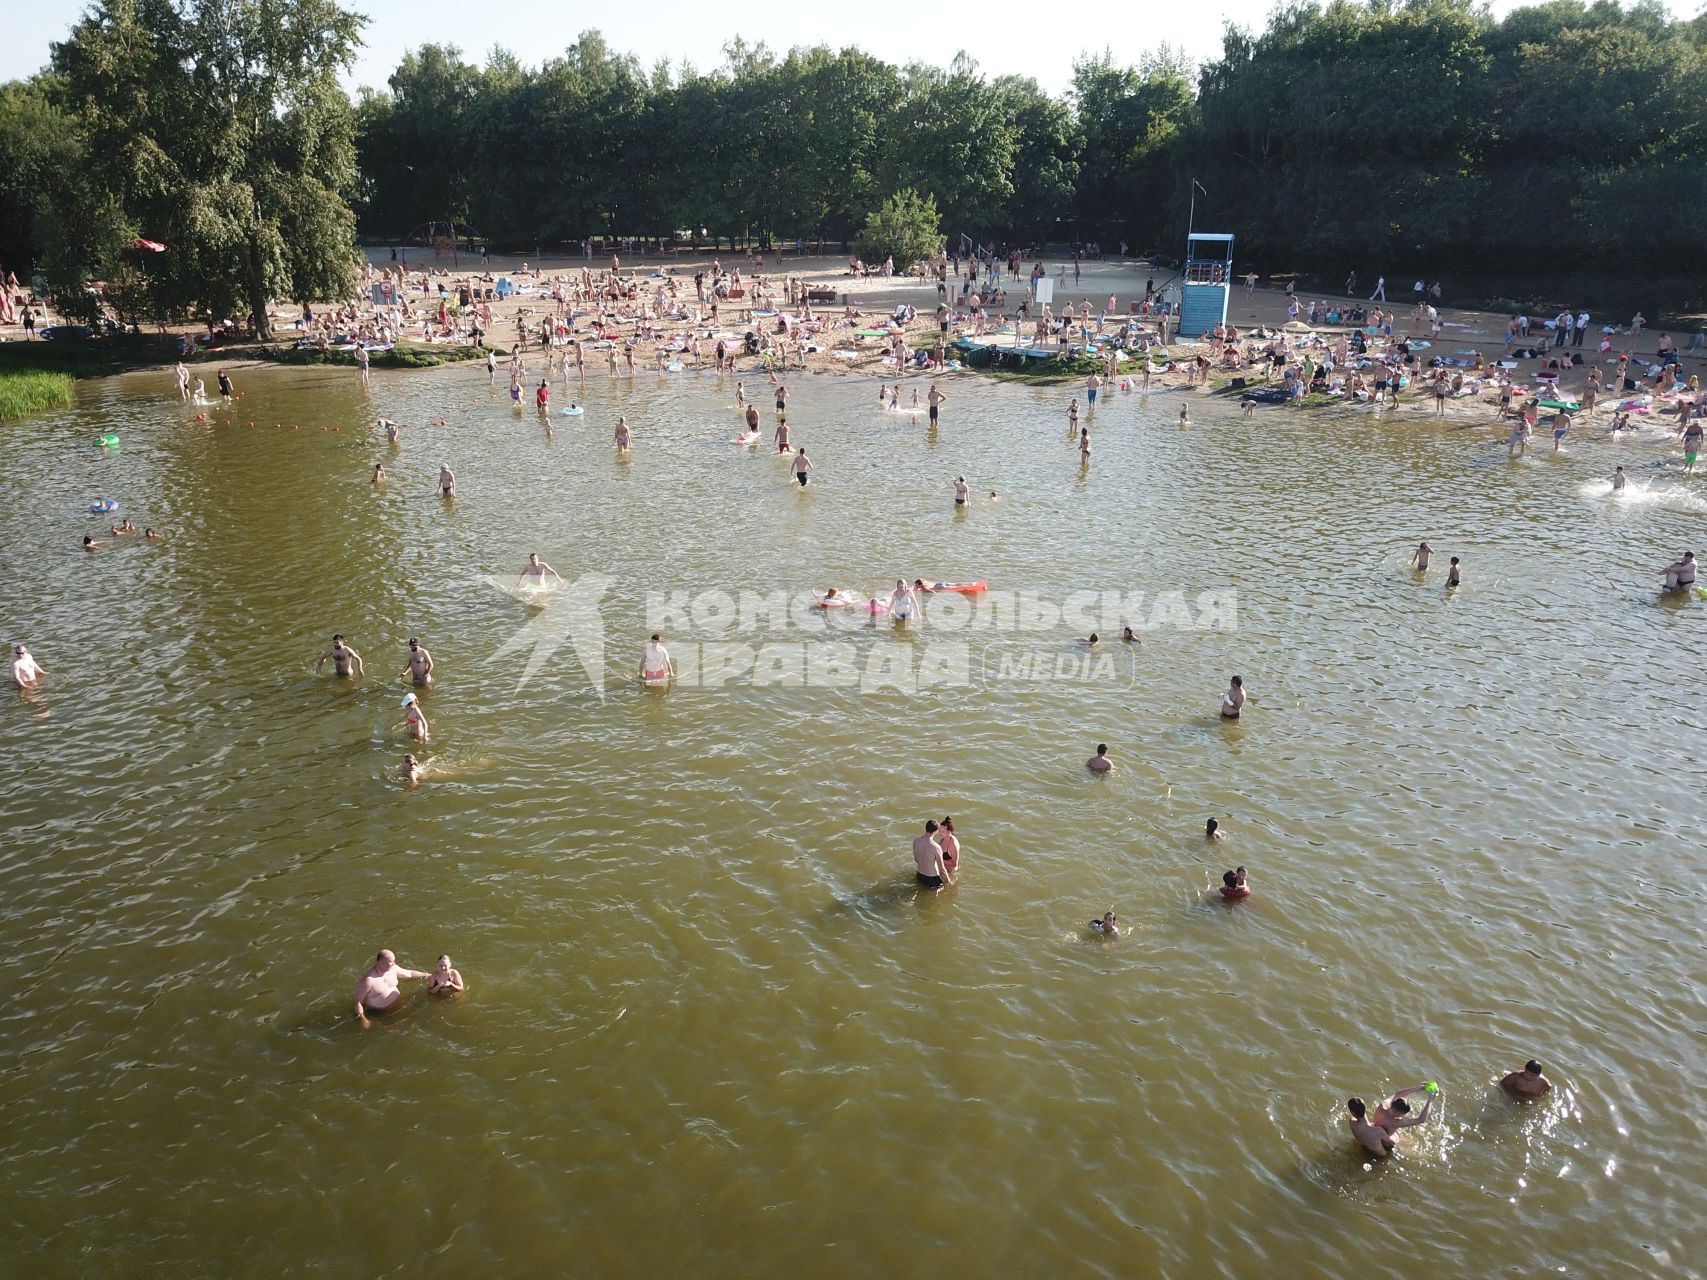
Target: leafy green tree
[[222, 131], [905, 227]]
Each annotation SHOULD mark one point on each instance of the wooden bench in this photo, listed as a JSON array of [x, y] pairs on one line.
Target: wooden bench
[[821, 295]]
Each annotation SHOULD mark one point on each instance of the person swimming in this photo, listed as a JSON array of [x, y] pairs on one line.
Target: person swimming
[[1108, 926], [1090, 641], [1233, 701], [1100, 763], [444, 980], [412, 771], [1212, 830], [1127, 637], [1233, 884], [1528, 1083]]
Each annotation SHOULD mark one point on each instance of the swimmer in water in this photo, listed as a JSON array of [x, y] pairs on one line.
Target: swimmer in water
[[962, 491], [120, 529], [1100, 763], [1233, 701], [1107, 926], [1233, 884], [391, 433], [414, 720], [950, 845], [89, 543], [447, 481], [26, 671], [342, 657], [418, 666], [378, 474], [150, 533], [1680, 574], [1528, 1083], [535, 570], [902, 601], [377, 992], [1395, 1113], [1419, 557], [1374, 1138], [1212, 830], [1090, 642], [444, 980], [931, 870], [1618, 480], [412, 771], [1126, 637], [1454, 574], [656, 666]]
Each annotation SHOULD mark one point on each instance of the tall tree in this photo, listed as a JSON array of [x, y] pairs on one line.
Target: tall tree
[[223, 132]]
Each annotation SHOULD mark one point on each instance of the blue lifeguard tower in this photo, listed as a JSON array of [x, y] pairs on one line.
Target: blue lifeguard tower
[[1207, 278]]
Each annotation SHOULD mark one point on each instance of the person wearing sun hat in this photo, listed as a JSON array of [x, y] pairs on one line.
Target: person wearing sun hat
[[412, 717]]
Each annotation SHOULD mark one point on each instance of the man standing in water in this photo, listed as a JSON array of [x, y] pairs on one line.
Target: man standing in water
[[26, 672], [535, 570], [447, 481], [1233, 701], [419, 664], [656, 665], [1374, 1138], [934, 399], [342, 656], [376, 990], [802, 464], [932, 871]]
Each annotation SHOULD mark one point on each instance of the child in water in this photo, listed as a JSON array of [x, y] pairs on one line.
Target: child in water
[[1107, 926], [1233, 884]]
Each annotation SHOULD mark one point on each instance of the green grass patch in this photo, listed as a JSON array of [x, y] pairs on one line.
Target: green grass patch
[[396, 358], [26, 391]]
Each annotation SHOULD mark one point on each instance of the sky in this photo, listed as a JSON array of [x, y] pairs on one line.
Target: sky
[[696, 32]]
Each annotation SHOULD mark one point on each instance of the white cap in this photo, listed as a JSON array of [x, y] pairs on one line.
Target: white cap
[[408, 698]]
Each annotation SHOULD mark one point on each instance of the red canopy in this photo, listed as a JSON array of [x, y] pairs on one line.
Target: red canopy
[[153, 246]]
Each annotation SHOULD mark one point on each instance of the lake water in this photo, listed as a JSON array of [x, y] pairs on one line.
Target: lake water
[[712, 1028]]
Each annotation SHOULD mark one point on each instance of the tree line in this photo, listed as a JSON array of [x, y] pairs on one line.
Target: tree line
[[1389, 135]]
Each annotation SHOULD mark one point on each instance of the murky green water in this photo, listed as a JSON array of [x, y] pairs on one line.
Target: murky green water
[[712, 1029]]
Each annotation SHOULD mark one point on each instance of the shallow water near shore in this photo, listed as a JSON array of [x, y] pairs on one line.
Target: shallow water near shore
[[711, 1024]]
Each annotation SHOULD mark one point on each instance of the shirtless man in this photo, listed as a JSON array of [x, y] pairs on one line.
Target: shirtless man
[[444, 980], [1100, 763], [782, 443], [1528, 1083], [781, 401], [1395, 1113], [1233, 701], [656, 665], [342, 656], [1419, 558], [536, 569], [932, 871], [378, 474], [447, 481], [1374, 1138], [418, 666], [1618, 480], [26, 672], [1680, 574], [376, 990], [802, 464], [934, 399]]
